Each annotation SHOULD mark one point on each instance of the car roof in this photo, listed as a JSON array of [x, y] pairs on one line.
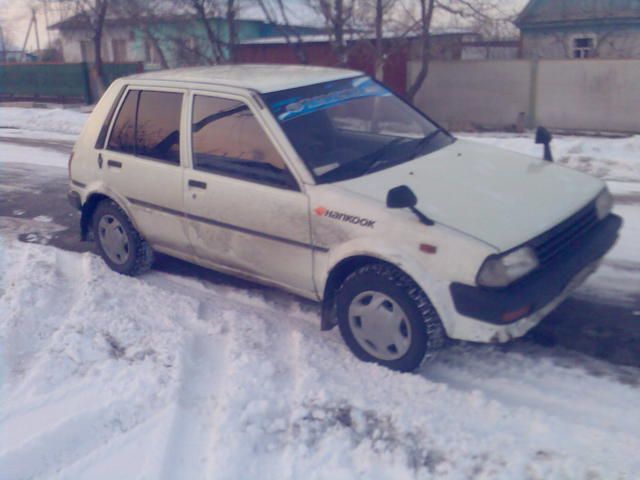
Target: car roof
[[262, 78]]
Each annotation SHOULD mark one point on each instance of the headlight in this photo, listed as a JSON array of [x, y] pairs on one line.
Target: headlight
[[604, 203], [500, 271]]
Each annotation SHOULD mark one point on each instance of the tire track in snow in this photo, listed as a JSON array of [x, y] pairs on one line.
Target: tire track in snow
[[204, 373], [49, 451]]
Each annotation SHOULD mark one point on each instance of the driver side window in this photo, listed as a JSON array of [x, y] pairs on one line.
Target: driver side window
[[228, 140]]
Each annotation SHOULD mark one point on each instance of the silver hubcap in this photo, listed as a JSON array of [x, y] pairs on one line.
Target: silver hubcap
[[379, 325], [113, 239]]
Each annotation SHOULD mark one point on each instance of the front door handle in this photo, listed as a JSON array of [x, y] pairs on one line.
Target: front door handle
[[114, 164], [197, 184]]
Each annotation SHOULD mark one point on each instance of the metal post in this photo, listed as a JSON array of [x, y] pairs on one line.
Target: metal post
[[533, 95], [3, 54]]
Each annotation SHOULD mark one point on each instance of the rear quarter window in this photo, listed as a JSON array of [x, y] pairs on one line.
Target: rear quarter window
[[148, 125], [123, 133]]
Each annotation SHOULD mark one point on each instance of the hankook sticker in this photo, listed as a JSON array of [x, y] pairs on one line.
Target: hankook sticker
[[353, 219]]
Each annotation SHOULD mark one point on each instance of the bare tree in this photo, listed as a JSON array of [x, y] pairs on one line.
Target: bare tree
[[144, 13], [95, 13], [204, 10], [338, 16], [426, 18], [276, 13], [221, 50], [389, 36], [468, 11], [232, 41]]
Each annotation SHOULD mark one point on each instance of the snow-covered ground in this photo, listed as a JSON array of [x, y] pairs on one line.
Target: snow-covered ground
[[47, 123], [167, 376]]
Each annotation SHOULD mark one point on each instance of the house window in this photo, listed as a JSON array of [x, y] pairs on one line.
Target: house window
[[583, 47], [119, 48]]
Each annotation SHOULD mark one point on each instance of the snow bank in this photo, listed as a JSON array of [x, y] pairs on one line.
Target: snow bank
[[106, 376], [55, 120], [11, 153]]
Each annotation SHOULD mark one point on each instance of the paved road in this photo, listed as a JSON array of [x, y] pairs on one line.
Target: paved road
[[31, 195]]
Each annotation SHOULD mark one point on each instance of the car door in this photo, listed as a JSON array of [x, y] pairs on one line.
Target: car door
[[141, 162], [244, 208]]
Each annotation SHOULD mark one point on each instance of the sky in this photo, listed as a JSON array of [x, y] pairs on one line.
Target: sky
[[15, 16]]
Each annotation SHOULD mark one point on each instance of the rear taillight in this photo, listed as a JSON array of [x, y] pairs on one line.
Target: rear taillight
[[69, 165]]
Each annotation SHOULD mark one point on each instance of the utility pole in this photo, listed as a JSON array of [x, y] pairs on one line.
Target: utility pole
[[3, 54], [33, 23], [45, 4], [35, 28], [26, 39]]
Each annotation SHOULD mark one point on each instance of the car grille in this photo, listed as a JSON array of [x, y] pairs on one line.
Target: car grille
[[560, 238]]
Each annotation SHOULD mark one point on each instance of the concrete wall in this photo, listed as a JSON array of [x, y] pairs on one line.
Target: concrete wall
[[488, 93], [589, 95], [596, 95]]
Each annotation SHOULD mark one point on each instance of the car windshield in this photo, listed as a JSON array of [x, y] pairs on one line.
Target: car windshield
[[348, 128]]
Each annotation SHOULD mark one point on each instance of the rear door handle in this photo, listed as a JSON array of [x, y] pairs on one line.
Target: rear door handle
[[197, 184], [114, 164]]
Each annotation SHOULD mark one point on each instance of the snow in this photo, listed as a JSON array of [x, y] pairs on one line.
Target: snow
[[612, 159], [32, 155], [170, 377], [54, 120], [167, 376]]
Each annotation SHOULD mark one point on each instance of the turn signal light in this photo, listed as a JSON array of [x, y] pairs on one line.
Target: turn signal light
[[426, 248]]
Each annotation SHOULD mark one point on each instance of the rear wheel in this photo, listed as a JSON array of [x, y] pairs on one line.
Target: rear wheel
[[385, 317], [118, 242]]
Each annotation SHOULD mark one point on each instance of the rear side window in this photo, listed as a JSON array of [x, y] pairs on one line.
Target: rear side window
[[148, 125], [158, 126], [227, 139]]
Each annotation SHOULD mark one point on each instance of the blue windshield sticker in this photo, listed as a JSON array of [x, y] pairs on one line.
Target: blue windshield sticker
[[360, 88]]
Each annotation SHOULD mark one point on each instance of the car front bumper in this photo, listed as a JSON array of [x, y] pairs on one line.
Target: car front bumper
[[511, 311]]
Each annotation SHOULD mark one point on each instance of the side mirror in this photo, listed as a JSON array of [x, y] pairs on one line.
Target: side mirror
[[401, 197], [544, 137]]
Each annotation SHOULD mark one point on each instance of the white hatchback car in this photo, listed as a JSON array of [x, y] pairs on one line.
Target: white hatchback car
[[323, 182]]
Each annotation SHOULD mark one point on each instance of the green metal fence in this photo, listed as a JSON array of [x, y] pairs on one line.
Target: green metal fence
[[56, 81]]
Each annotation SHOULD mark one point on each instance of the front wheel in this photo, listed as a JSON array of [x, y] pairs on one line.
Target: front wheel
[[386, 318]]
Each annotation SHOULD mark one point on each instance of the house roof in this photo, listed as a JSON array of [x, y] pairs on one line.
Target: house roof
[[80, 21], [261, 78], [355, 36], [545, 13]]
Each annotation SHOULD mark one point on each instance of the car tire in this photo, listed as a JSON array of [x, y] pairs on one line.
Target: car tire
[[120, 245], [386, 318]]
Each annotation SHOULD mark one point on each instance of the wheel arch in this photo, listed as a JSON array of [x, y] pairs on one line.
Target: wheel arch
[[91, 203], [337, 275]]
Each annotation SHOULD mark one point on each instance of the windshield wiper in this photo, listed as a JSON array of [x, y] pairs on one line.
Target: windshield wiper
[[425, 141], [377, 158]]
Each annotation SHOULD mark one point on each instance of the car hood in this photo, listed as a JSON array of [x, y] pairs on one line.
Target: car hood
[[500, 197]]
